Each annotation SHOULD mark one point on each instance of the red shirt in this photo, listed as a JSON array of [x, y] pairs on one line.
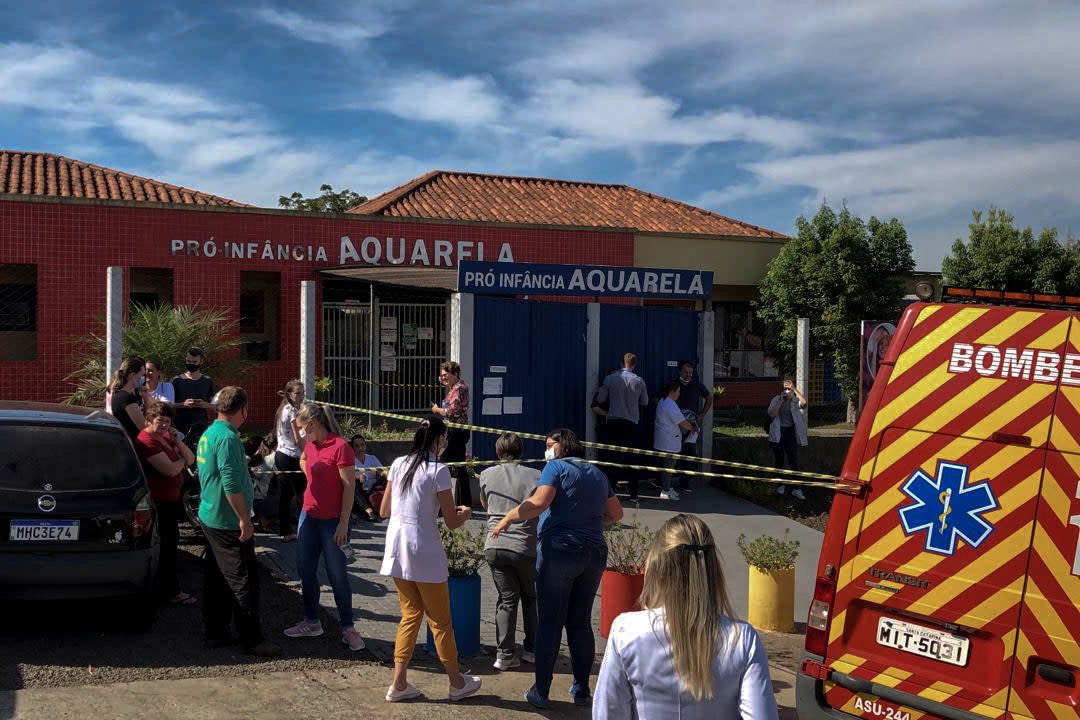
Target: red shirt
[[162, 487], [322, 499]]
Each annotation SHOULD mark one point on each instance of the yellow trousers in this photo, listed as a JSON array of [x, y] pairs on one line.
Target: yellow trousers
[[418, 599]]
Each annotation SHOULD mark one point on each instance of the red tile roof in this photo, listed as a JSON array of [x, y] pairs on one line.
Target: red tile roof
[[49, 175], [497, 198]]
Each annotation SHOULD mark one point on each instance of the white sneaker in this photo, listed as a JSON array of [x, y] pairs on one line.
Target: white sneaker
[[350, 637], [780, 489], [408, 693], [304, 629], [798, 493], [528, 657], [669, 495], [471, 686], [506, 663]]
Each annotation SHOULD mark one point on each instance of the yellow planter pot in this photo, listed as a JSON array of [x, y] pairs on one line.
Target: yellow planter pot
[[771, 599]]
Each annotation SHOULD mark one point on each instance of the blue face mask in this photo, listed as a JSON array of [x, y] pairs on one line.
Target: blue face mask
[[140, 382]]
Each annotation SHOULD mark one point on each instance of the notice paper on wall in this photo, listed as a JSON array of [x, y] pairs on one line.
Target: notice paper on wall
[[388, 335], [389, 321], [408, 330], [492, 406], [497, 369], [673, 363], [425, 333], [388, 364], [493, 386], [387, 351], [511, 405]]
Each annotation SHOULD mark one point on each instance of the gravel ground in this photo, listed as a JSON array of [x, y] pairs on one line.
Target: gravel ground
[[81, 643]]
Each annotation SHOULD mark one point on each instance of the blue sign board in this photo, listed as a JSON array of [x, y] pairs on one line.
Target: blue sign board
[[502, 278]]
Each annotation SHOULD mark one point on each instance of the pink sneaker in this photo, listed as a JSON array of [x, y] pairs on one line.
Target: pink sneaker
[[350, 637]]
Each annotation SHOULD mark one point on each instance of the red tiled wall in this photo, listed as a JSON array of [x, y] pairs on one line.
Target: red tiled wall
[[72, 244], [746, 393]]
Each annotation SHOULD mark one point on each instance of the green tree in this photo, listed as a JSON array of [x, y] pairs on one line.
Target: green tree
[[329, 201], [998, 255], [161, 334], [837, 271]]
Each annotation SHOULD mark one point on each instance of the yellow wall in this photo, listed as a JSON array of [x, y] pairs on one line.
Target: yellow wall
[[738, 264]]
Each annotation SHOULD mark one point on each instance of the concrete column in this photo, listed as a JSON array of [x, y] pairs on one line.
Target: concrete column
[[592, 372], [462, 318], [802, 358], [706, 329], [114, 319], [307, 336]]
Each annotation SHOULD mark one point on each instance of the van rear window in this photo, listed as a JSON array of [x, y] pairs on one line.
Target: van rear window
[[68, 458]]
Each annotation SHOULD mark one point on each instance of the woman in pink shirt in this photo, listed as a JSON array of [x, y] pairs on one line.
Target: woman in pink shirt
[[327, 461]]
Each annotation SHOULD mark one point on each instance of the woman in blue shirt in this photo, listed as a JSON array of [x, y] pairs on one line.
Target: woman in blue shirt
[[574, 502]]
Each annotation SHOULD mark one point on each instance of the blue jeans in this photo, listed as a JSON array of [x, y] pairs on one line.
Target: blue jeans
[[568, 571], [315, 537]]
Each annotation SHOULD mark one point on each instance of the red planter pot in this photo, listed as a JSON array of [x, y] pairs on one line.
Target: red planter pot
[[619, 593]]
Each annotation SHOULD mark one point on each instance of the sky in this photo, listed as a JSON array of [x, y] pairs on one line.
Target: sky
[[761, 111]]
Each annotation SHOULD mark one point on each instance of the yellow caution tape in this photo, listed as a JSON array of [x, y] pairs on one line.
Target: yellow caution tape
[[397, 385], [604, 446]]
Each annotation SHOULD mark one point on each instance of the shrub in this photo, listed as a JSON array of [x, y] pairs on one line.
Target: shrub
[[766, 552], [464, 550], [628, 546]]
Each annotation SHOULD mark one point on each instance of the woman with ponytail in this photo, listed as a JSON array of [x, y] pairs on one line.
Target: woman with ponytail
[[125, 395], [290, 444], [418, 488], [687, 626]]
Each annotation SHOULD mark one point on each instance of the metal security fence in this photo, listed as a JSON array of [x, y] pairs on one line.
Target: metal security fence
[[385, 356]]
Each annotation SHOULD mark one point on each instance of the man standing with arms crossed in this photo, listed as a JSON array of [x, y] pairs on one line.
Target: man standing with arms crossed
[[230, 575], [626, 394]]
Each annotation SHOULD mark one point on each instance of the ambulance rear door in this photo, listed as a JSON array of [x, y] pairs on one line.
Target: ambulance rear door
[[929, 591]]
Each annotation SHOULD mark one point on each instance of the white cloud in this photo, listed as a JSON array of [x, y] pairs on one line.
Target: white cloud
[[342, 33], [433, 97]]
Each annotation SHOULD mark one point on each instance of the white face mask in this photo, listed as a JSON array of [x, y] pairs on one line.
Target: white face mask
[[549, 454]]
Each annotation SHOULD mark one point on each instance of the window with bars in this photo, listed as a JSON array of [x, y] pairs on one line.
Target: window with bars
[[18, 312], [260, 314]]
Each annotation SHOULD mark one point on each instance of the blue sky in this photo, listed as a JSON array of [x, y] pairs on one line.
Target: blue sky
[[920, 110]]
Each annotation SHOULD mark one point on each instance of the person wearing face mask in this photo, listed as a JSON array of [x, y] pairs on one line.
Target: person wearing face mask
[[230, 572], [574, 502], [418, 487], [193, 391], [695, 401], [787, 430], [125, 399]]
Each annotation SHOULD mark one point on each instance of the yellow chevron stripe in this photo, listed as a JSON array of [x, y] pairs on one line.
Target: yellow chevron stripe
[[1054, 338], [1061, 712], [1008, 642], [929, 383], [1061, 437], [836, 626], [926, 313], [912, 354], [1018, 708], [1057, 634], [1011, 324]]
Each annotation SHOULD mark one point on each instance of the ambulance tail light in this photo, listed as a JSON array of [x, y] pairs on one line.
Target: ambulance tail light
[[817, 622]]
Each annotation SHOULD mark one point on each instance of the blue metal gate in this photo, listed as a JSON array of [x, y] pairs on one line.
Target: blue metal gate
[[538, 351], [659, 336]]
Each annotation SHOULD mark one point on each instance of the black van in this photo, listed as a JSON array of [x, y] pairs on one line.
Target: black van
[[76, 518]]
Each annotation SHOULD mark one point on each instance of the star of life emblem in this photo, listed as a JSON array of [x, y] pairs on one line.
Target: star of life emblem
[[947, 507]]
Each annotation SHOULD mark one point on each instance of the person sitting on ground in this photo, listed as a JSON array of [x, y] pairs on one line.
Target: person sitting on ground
[[418, 488], [324, 522], [684, 656], [512, 555], [368, 481]]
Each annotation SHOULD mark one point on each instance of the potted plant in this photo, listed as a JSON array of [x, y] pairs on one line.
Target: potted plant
[[624, 578], [771, 599], [464, 555]]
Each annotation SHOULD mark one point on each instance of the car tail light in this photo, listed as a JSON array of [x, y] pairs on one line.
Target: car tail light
[[142, 518], [817, 622]]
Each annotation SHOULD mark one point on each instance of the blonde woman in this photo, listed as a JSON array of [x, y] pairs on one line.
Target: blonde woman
[[687, 626], [290, 445]]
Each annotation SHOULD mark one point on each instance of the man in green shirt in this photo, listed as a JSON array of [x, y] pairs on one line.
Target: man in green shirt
[[231, 579]]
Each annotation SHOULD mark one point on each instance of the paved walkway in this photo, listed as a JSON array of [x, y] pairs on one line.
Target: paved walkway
[[375, 598]]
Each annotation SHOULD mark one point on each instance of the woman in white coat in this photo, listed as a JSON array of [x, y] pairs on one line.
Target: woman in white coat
[[685, 656], [787, 430]]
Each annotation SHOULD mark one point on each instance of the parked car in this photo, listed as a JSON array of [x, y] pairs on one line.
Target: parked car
[[76, 518]]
